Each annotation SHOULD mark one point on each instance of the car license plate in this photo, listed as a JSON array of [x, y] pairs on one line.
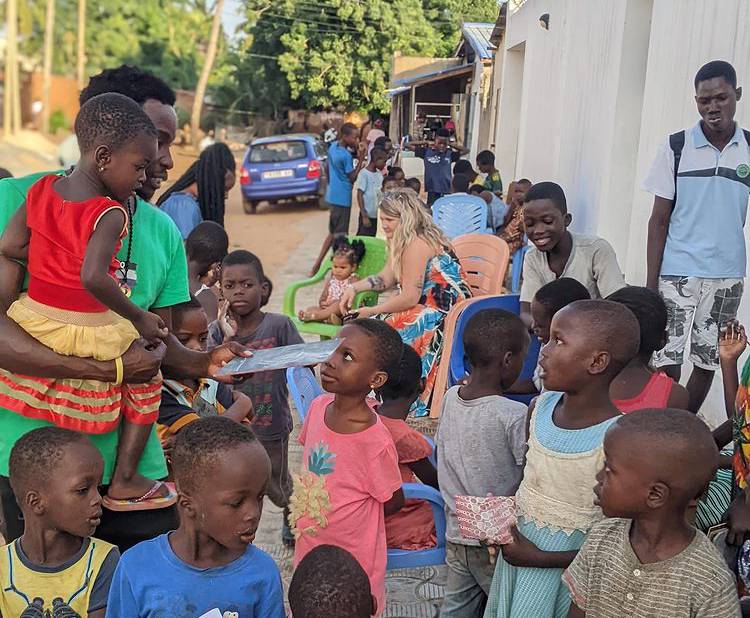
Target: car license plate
[[274, 174]]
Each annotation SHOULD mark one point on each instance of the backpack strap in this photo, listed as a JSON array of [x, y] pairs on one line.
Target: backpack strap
[[677, 143]]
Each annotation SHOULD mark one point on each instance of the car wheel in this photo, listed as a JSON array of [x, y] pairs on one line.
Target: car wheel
[[249, 206]]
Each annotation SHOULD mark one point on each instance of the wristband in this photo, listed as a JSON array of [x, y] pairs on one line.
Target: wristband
[[118, 371]]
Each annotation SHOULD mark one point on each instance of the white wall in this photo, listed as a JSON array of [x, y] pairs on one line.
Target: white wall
[[599, 91]]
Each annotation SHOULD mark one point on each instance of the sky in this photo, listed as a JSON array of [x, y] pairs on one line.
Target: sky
[[232, 15]]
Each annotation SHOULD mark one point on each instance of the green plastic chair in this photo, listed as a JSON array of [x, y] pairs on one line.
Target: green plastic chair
[[372, 263]]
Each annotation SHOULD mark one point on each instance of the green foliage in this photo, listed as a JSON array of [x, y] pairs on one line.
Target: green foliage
[[57, 121]]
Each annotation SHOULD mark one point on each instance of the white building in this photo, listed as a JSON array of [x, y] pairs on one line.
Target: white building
[[586, 101]]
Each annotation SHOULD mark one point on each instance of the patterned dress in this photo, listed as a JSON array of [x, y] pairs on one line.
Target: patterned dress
[[741, 431], [422, 325]]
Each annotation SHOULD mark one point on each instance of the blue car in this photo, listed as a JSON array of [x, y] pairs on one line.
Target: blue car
[[283, 167]]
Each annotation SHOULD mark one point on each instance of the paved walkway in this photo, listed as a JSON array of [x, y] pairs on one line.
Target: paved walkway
[[411, 593]]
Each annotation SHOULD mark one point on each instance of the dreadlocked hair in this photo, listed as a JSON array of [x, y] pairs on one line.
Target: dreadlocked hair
[[209, 173], [353, 250]]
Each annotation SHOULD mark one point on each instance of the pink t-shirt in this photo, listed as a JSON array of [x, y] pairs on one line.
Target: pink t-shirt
[[338, 497]]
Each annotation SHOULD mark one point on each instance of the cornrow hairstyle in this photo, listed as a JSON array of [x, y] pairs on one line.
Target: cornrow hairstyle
[[404, 378], [330, 583], [130, 81], [36, 454], [387, 342], [111, 119], [209, 173], [198, 444], [206, 245], [353, 250]]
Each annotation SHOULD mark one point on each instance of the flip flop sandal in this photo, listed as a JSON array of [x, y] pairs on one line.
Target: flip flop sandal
[[146, 502]]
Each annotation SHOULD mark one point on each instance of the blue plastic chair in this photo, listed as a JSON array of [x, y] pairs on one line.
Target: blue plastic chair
[[414, 558], [432, 458], [304, 387], [459, 364], [516, 269], [461, 214]]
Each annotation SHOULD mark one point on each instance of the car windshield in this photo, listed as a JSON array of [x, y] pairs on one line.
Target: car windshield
[[277, 152]]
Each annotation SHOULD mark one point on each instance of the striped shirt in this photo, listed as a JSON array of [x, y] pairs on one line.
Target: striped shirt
[[607, 580]]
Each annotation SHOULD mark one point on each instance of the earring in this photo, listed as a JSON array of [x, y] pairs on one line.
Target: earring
[[101, 169]]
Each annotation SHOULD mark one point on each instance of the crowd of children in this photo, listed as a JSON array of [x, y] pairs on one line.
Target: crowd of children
[[605, 466]]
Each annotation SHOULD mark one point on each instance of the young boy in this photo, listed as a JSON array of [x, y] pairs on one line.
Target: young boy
[[496, 208], [390, 183], [414, 184], [369, 185], [513, 232], [486, 165], [481, 442], [560, 253], [56, 568], [652, 562], [398, 174], [242, 285], [209, 563], [206, 246], [438, 159], [330, 583], [185, 401]]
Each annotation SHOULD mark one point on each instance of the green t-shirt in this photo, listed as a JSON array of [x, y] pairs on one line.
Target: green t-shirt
[[493, 182], [158, 278]]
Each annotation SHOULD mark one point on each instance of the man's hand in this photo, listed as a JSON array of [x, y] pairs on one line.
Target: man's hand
[[738, 518], [732, 341], [520, 552], [141, 361], [221, 355]]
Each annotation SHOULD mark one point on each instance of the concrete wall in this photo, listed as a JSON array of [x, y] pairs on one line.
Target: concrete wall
[[587, 102]]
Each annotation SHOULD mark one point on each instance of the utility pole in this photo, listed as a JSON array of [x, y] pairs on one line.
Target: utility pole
[[49, 36], [200, 89], [80, 68]]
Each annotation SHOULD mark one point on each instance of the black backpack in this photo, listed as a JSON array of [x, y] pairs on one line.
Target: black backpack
[[677, 143]]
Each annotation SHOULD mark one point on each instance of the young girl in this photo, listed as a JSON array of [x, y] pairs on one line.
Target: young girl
[[638, 386], [590, 342], [346, 258], [350, 479], [412, 527], [70, 232]]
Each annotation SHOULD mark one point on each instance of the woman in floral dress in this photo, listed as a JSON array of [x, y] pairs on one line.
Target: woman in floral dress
[[427, 277]]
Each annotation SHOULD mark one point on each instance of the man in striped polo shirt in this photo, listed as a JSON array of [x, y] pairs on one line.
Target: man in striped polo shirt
[[696, 244]]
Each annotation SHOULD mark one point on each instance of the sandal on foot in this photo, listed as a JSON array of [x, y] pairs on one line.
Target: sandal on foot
[[146, 502]]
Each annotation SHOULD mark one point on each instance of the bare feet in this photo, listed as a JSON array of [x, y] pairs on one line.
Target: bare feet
[[136, 486]]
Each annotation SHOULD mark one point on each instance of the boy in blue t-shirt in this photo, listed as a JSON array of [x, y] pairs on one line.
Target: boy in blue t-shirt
[[209, 563], [439, 158]]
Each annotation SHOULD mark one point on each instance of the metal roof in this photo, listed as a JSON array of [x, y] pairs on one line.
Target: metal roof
[[478, 35], [402, 85]]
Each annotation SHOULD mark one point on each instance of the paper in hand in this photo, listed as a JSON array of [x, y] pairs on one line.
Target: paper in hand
[[297, 355]]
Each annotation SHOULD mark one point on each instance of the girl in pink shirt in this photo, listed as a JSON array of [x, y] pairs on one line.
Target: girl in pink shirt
[[350, 478]]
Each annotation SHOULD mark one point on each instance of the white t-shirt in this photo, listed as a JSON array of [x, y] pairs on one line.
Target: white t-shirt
[[370, 183]]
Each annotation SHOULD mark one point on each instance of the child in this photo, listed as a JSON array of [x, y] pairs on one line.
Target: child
[[412, 527], [652, 562], [206, 246], [638, 386], [368, 186], [346, 258], [559, 253], [56, 565], [243, 288], [209, 563], [390, 183], [486, 165], [398, 174], [350, 478], [550, 298], [330, 583], [414, 184], [70, 234], [496, 209], [513, 231], [184, 401], [481, 442], [438, 158], [463, 167], [590, 342]]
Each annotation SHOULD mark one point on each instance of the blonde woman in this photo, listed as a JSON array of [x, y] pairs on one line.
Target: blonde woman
[[426, 275]]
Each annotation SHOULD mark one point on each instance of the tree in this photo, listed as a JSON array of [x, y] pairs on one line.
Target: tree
[[200, 90], [49, 41]]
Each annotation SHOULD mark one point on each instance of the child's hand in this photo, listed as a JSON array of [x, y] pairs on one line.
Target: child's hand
[[245, 404], [520, 552], [151, 327], [732, 341], [365, 220], [226, 323]]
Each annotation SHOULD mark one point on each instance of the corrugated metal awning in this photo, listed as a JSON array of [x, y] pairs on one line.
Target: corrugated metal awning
[[402, 85], [479, 36]]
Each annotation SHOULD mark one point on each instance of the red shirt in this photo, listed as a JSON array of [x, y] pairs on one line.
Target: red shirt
[[60, 233]]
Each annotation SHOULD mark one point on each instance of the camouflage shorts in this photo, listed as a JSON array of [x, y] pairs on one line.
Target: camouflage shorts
[[696, 307]]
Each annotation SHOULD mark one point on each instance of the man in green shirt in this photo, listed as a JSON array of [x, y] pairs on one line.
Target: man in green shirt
[[153, 261]]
